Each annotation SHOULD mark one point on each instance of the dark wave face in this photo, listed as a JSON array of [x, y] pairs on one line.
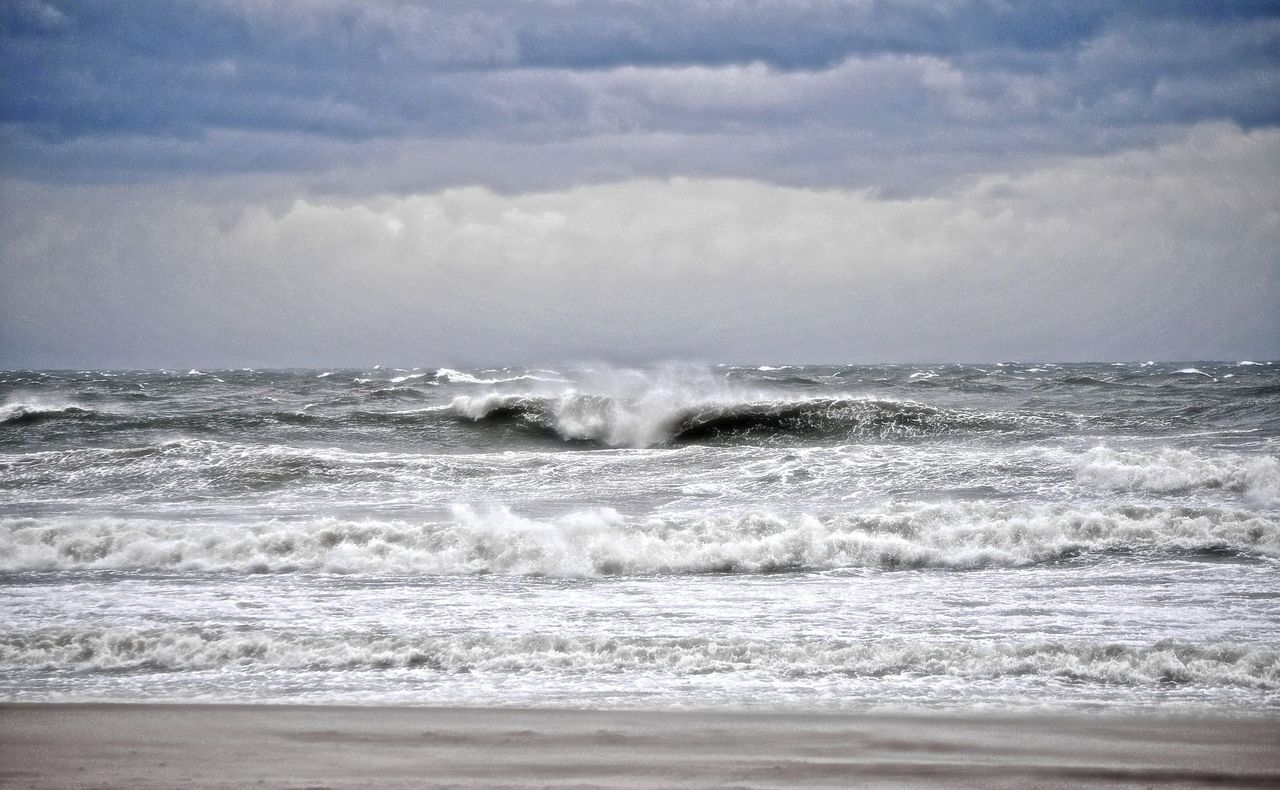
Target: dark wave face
[[452, 410], [818, 536]]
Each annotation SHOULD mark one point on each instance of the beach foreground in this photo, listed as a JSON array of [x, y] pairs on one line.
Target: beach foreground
[[106, 745]]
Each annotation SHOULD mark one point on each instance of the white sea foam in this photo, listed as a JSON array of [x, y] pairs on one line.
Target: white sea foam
[[1161, 663], [1173, 471], [601, 542]]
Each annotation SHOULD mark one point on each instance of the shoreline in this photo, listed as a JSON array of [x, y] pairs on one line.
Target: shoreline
[[217, 745]]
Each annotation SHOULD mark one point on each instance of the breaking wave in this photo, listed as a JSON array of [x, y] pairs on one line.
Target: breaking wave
[[1167, 471], [621, 422], [601, 542], [1161, 663], [26, 413]]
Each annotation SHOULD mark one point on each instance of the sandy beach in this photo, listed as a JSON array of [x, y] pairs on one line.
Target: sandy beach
[[153, 746]]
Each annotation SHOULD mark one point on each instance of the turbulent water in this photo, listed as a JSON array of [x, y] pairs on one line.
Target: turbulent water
[[818, 537]]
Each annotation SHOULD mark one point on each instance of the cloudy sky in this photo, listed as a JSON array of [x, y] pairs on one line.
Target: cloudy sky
[[242, 182]]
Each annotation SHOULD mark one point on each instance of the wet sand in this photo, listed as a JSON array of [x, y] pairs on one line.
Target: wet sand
[[225, 746]]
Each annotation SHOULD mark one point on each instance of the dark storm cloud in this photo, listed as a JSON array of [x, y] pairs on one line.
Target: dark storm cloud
[[110, 91]]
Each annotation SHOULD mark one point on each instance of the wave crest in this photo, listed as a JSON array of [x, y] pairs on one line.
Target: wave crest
[[644, 422], [28, 413], [1168, 471], [451, 376], [602, 542], [1159, 664]]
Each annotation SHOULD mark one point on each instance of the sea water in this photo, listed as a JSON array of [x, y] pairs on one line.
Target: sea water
[[1102, 536]]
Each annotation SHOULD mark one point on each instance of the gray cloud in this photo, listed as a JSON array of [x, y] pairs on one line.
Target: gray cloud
[[120, 92]]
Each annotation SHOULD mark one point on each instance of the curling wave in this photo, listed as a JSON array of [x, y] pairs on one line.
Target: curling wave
[[601, 542], [27, 413], [1158, 664], [644, 422]]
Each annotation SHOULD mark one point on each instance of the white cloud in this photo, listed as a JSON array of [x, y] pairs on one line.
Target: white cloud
[[1169, 252]]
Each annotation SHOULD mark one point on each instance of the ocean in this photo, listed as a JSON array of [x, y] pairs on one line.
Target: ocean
[[1004, 536]]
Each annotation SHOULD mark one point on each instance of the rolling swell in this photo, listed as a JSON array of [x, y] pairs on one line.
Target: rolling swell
[[618, 422], [31, 413]]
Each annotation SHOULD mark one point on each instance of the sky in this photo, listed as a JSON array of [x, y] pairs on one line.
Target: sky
[[231, 183]]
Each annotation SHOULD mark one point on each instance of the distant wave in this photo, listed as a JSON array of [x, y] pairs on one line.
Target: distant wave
[[182, 469], [397, 393], [621, 422], [1176, 471], [601, 542], [1087, 381], [1158, 664], [27, 413], [459, 377]]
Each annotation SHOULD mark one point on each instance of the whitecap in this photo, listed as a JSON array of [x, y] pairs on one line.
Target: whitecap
[[1169, 470], [452, 376], [1153, 665], [35, 410], [603, 542]]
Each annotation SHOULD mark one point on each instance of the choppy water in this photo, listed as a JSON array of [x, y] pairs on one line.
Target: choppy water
[[820, 537]]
